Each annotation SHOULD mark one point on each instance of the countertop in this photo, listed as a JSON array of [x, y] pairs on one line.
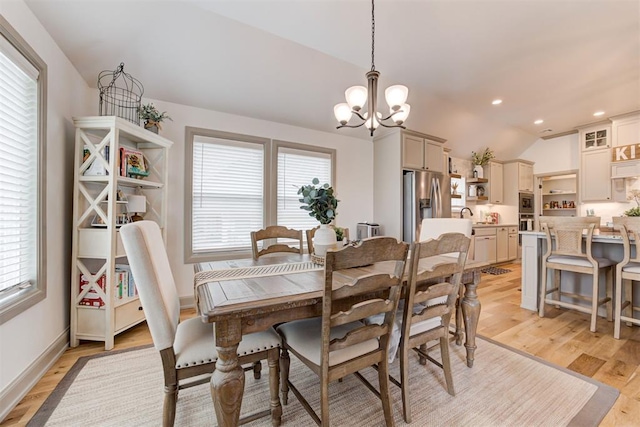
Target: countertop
[[482, 225]]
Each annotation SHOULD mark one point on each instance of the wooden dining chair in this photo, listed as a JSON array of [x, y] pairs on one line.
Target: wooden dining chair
[[312, 232], [627, 272], [276, 232], [358, 283], [565, 252], [188, 348], [431, 305], [432, 228]]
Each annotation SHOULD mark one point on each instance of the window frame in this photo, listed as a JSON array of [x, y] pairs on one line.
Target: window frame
[[277, 144], [18, 300], [270, 181], [190, 134]]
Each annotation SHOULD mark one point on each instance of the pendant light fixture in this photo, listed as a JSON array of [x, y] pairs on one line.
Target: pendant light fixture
[[358, 96]]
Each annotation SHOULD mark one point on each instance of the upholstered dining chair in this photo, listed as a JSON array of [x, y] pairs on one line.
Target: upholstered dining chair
[[188, 348], [432, 304], [360, 281], [312, 232], [276, 232], [565, 253], [432, 228], [627, 271]]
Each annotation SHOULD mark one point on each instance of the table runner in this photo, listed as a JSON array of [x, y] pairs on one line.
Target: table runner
[[255, 271]]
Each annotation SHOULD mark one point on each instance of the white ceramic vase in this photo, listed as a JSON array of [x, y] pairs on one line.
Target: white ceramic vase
[[479, 171], [323, 239]]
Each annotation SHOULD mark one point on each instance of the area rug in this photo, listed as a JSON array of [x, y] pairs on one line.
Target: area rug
[[495, 270], [504, 388]]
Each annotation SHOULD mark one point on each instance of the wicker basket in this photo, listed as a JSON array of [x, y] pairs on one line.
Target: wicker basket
[[316, 259]]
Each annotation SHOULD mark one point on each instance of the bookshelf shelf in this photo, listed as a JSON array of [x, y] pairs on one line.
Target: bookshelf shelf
[[104, 300]]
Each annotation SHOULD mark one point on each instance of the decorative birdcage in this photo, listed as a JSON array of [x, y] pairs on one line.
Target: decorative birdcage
[[120, 94]]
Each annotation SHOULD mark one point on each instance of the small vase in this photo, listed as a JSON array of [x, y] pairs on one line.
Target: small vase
[[323, 239], [478, 171]]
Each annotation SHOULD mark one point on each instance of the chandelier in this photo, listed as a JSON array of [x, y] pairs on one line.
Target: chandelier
[[358, 96]]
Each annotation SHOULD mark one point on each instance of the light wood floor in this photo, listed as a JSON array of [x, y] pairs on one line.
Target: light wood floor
[[562, 337]]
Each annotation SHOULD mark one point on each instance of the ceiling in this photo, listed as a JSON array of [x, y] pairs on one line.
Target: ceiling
[[290, 61]]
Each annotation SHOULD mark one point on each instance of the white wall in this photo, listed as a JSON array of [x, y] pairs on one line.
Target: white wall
[[27, 337], [354, 170]]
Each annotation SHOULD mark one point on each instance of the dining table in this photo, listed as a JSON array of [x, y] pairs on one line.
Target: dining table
[[242, 296]]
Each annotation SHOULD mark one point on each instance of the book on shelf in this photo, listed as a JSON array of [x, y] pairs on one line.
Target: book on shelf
[[96, 168], [92, 298], [131, 290], [132, 163]]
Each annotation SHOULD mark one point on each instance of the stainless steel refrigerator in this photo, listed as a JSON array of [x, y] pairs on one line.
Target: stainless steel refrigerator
[[426, 195]]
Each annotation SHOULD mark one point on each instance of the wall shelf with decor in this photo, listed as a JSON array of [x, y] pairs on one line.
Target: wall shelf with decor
[[114, 160], [558, 194]]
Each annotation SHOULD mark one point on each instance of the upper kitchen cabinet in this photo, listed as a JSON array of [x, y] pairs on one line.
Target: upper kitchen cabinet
[[625, 129], [595, 162], [518, 174], [495, 172], [422, 152], [595, 176], [391, 152], [595, 137]]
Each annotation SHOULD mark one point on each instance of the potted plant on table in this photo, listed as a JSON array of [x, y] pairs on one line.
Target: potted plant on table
[[479, 160], [152, 117], [321, 203]]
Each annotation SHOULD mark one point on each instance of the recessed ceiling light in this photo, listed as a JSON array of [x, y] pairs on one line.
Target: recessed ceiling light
[[497, 101], [538, 122], [598, 113]]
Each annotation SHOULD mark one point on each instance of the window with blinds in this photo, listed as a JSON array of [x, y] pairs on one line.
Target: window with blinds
[[228, 193], [295, 168], [237, 184], [22, 110]]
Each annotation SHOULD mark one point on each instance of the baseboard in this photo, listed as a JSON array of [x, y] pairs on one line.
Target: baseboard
[[20, 386], [187, 302]]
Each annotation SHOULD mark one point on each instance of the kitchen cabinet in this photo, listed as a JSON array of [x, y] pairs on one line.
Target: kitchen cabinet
[[502, 244], [513, 243], [389, 160], [518, 176], [595, 137], [625, 129], [559, 194], [422, 153], [485, 245], [495, 171], [104, 301], [595, 176]]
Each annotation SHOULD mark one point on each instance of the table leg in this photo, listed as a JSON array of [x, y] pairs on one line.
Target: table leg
[[471, 314], [227, 381]]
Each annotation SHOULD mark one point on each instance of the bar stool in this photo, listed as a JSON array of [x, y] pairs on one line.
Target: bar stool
[[565, 253], [627, 271]]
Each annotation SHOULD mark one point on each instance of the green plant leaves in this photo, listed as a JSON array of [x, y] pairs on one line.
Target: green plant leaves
[[319, 201]]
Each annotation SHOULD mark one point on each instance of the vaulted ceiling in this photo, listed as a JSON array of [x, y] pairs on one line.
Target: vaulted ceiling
[[290, 61]]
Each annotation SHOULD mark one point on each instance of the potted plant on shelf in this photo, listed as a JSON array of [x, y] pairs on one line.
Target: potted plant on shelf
[[321, 204], [479, 160], [152, 117]]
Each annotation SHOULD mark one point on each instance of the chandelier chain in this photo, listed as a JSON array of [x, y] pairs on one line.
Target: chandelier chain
[[373, 34]]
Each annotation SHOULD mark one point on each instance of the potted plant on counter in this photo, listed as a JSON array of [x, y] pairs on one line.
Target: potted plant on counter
[[321, 204], [479, 160], [635, 196], [152, 117]]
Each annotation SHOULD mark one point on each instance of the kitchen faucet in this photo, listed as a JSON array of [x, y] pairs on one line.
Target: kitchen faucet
[[462, 212]]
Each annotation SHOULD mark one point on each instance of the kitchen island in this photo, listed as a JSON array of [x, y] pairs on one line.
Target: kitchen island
[[607, 244]]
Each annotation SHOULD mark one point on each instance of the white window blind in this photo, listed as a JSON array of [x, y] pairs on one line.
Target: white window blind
[[18, 168], [228, 199], [295, 169]]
